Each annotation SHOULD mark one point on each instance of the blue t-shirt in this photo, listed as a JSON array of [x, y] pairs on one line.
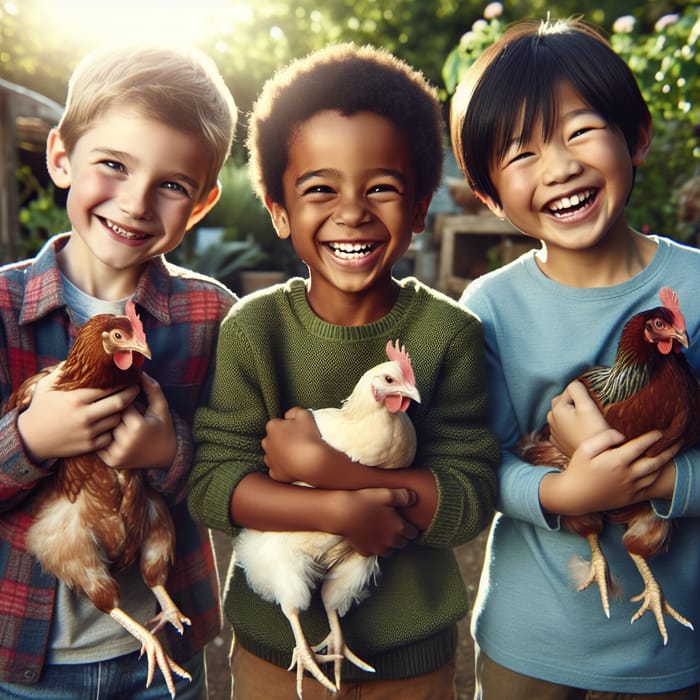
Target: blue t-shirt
[[528, 615]]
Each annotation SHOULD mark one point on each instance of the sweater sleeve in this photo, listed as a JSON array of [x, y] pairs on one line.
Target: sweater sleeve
[[456, 444], [226, 431]]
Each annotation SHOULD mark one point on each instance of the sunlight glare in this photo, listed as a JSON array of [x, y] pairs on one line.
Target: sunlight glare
[[172, 21]]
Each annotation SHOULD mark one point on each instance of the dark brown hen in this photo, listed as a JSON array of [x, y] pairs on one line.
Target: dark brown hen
[[649, 386]]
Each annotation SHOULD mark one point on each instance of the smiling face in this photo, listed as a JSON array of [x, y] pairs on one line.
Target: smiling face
[[350, 209], [570, 189], [136, 186]]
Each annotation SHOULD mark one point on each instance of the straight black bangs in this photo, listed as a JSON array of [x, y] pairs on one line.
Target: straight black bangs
[[519, 88]]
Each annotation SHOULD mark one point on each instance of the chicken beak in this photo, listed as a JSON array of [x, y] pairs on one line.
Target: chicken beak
[[682, 338], [411, 392], [142, 349]]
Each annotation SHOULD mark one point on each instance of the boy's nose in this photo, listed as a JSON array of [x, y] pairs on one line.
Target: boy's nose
[[135, 203], [351, 211], [559, 164]]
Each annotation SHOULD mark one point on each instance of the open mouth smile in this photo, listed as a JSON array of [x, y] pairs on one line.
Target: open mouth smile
[[566, 206], [125, 233], [352, 251]]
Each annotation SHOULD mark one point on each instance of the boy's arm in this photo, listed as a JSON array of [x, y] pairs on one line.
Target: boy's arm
[[56, 424], [368, 518], [295, 451], [453, 475]]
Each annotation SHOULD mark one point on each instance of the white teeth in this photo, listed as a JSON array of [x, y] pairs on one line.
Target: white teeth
[[119, 230], [573, 201], [351, 251]]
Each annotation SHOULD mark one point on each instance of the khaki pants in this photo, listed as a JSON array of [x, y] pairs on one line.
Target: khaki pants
[[495, 682], [255, 679]]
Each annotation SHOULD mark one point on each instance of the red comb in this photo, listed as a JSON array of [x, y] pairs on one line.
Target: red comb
[[670, 300], [135, 321], [394, 352]]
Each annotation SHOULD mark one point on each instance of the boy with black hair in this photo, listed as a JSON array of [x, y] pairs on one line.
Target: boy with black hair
[[549, 127]]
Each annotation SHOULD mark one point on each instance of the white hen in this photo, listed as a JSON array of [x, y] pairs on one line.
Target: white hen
[[374, 410]]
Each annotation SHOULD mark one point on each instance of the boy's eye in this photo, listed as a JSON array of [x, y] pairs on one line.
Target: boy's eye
[[113, 165], [318, 189], [383, 187], [176, 187], [510, 159], [581, 131]]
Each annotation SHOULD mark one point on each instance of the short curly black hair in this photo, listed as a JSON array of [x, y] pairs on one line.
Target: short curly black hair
[[350, 79]]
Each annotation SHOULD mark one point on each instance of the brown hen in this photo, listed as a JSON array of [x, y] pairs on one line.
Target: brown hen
[[92, 521], [649, 386]]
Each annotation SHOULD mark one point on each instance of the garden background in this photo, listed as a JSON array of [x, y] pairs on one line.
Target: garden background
[[42, 40]]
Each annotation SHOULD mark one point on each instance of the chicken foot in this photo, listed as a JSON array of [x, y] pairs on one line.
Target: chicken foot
[[303, 658], [153, 649], [336, 647], [169, 612], [597, 573], [652, 598]]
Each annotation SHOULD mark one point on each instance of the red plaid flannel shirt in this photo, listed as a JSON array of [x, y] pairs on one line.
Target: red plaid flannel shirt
[[181, 312]]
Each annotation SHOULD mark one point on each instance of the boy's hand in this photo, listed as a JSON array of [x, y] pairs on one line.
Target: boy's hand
[[143, 438], [371, 522], [68, 423], [573, 418], [605, 473], [294, 450]]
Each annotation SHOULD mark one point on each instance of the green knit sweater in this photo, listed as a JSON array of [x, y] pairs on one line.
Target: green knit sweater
[[274, 353]]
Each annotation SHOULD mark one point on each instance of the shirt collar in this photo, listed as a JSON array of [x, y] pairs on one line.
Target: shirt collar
[[44, 291]]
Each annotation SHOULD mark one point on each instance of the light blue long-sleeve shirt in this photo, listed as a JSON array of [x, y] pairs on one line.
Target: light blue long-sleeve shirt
[[528, 615]]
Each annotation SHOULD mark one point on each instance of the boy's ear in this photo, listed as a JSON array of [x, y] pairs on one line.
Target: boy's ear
[[279, 216], [204, 206], [495, 208], [57, 161], [641, 151], [420, 212]]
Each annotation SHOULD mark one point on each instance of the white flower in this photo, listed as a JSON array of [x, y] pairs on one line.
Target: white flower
[[479, 25], [665, 21], [493, 10], [624, 24], [466, 38]]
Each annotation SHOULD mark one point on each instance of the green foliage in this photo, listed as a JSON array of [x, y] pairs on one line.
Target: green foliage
[[667, 66], [666, 63], [243, 218], [39, 215]]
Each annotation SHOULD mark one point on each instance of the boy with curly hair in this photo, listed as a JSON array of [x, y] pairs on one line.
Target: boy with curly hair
[[346, 147]]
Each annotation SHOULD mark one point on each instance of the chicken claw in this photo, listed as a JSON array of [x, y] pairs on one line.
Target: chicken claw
[[337, 649], [597, 572], [153, 649], [303, 657], [169, 612], [652, 598]]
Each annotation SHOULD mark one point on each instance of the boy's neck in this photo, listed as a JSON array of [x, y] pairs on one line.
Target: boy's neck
[[92, 276], [613, 262], [349, 308]]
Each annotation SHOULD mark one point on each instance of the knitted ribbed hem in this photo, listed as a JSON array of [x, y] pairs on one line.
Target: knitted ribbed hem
[[424, 656]]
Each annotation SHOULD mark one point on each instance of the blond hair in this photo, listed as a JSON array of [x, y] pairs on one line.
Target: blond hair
[[179, 87]]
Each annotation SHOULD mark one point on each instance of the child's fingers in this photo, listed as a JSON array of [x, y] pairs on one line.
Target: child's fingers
[[631, 451], [605, 440], [157, 403]]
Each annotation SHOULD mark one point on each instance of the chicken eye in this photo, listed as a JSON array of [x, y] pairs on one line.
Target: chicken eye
[[388, 379], [117, 335]]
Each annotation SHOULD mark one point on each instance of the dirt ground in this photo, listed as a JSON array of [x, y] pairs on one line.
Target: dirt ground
[[470, 557]]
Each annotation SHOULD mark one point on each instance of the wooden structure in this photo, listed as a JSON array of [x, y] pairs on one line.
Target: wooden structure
[[472, 244]]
